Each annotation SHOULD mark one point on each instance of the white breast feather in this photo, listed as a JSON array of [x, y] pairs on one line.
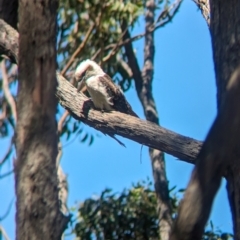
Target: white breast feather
[[98, 93]]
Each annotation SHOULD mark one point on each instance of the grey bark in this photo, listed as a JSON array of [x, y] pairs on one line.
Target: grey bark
[[143, 82], [38, 214], [151, 114]]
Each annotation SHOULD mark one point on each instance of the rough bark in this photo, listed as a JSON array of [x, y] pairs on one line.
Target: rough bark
[[9, 12], [220, 152], [225, 33], [221, 145], [38, 213], [144, 132], [143, 82]]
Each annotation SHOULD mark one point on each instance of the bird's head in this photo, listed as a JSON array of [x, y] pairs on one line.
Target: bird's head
[[85, 70]]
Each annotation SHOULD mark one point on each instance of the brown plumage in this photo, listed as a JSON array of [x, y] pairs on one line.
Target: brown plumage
[[105, 94]]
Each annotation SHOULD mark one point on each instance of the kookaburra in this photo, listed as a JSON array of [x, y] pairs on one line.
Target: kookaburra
[[106, 96]]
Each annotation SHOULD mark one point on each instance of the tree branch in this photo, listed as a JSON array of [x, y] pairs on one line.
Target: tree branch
[[7, 92], [3, 232], [6, 174], [203, 5], [143, 132], [8, 41], [138, 130], [8, 153], [150, 110], [78, 50]]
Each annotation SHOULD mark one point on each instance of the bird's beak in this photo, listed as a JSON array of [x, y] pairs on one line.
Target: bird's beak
[[81, 85]]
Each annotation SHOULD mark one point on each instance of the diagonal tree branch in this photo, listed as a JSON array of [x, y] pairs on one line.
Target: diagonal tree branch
[[143, 132]]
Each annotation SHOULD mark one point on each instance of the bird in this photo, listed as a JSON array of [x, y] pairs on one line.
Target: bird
[[105, 94]]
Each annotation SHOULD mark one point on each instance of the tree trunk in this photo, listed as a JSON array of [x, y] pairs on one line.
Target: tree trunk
[[151, 114], [143, 82], [220, 153], [38, 215], [225, 33]]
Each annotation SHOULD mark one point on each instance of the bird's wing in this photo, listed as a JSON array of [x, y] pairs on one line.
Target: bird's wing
[[117, 97]]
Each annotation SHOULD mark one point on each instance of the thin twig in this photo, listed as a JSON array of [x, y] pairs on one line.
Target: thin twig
[[12, 75], [7, 92], [155, 26], [115, 48], [82, 45], [6, 174], [8, 153], [78, 50], [125, 66], [7, 212], [62, 121], [3, 232], [59, 156], [4, 112]]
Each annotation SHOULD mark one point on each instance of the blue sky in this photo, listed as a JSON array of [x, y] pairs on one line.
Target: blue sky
[[185, 94]]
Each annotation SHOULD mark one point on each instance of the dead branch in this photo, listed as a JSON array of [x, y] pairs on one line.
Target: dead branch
[[143, 132]]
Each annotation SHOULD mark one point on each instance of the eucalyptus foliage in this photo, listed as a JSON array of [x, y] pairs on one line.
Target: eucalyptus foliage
[[131, 214]]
